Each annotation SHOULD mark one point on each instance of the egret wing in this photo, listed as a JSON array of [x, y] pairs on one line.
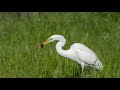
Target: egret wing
[[86, 57], [81, 47], [84, 54]]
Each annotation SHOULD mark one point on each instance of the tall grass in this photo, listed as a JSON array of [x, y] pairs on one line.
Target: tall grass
[[20, 56]]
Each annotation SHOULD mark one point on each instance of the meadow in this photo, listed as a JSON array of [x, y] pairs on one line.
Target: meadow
[[20, 56]]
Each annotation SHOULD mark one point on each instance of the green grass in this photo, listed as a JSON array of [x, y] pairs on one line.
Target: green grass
[[20, 56]]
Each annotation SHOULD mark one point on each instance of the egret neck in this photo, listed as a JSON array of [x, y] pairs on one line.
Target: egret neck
[[59, 49]]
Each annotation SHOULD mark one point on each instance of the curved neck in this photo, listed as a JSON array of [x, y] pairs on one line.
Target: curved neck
[[59, 49]]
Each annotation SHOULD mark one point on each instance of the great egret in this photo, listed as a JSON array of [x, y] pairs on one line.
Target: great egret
[[78, 52]]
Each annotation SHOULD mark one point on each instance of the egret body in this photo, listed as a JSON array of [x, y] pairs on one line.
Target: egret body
[[78, 52]]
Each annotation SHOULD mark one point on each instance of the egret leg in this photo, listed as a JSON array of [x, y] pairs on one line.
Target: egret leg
[[82, 66]]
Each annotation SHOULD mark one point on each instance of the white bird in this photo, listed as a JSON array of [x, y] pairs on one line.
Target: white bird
[[78, 52]]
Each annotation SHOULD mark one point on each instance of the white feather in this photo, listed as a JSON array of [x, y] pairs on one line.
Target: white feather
[[78, 52]]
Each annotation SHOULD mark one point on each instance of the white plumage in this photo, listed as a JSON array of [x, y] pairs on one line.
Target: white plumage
[[78, 52]]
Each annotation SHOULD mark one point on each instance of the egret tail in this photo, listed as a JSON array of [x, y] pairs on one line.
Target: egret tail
[[99, 65]]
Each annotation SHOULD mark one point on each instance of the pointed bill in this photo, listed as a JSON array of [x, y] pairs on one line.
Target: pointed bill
[[46, 42]]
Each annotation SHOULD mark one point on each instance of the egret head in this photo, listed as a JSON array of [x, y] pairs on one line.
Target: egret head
[[59, 38]]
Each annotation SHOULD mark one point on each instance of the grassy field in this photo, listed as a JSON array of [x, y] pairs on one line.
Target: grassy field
[[20, 56]]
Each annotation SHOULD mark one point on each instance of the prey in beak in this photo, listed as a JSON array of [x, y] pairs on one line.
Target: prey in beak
[[44, 43]]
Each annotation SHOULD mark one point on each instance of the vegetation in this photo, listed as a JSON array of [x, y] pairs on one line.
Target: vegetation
[[20, 56]]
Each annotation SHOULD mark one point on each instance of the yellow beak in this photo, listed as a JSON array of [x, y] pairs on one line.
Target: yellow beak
[[46, 42]]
